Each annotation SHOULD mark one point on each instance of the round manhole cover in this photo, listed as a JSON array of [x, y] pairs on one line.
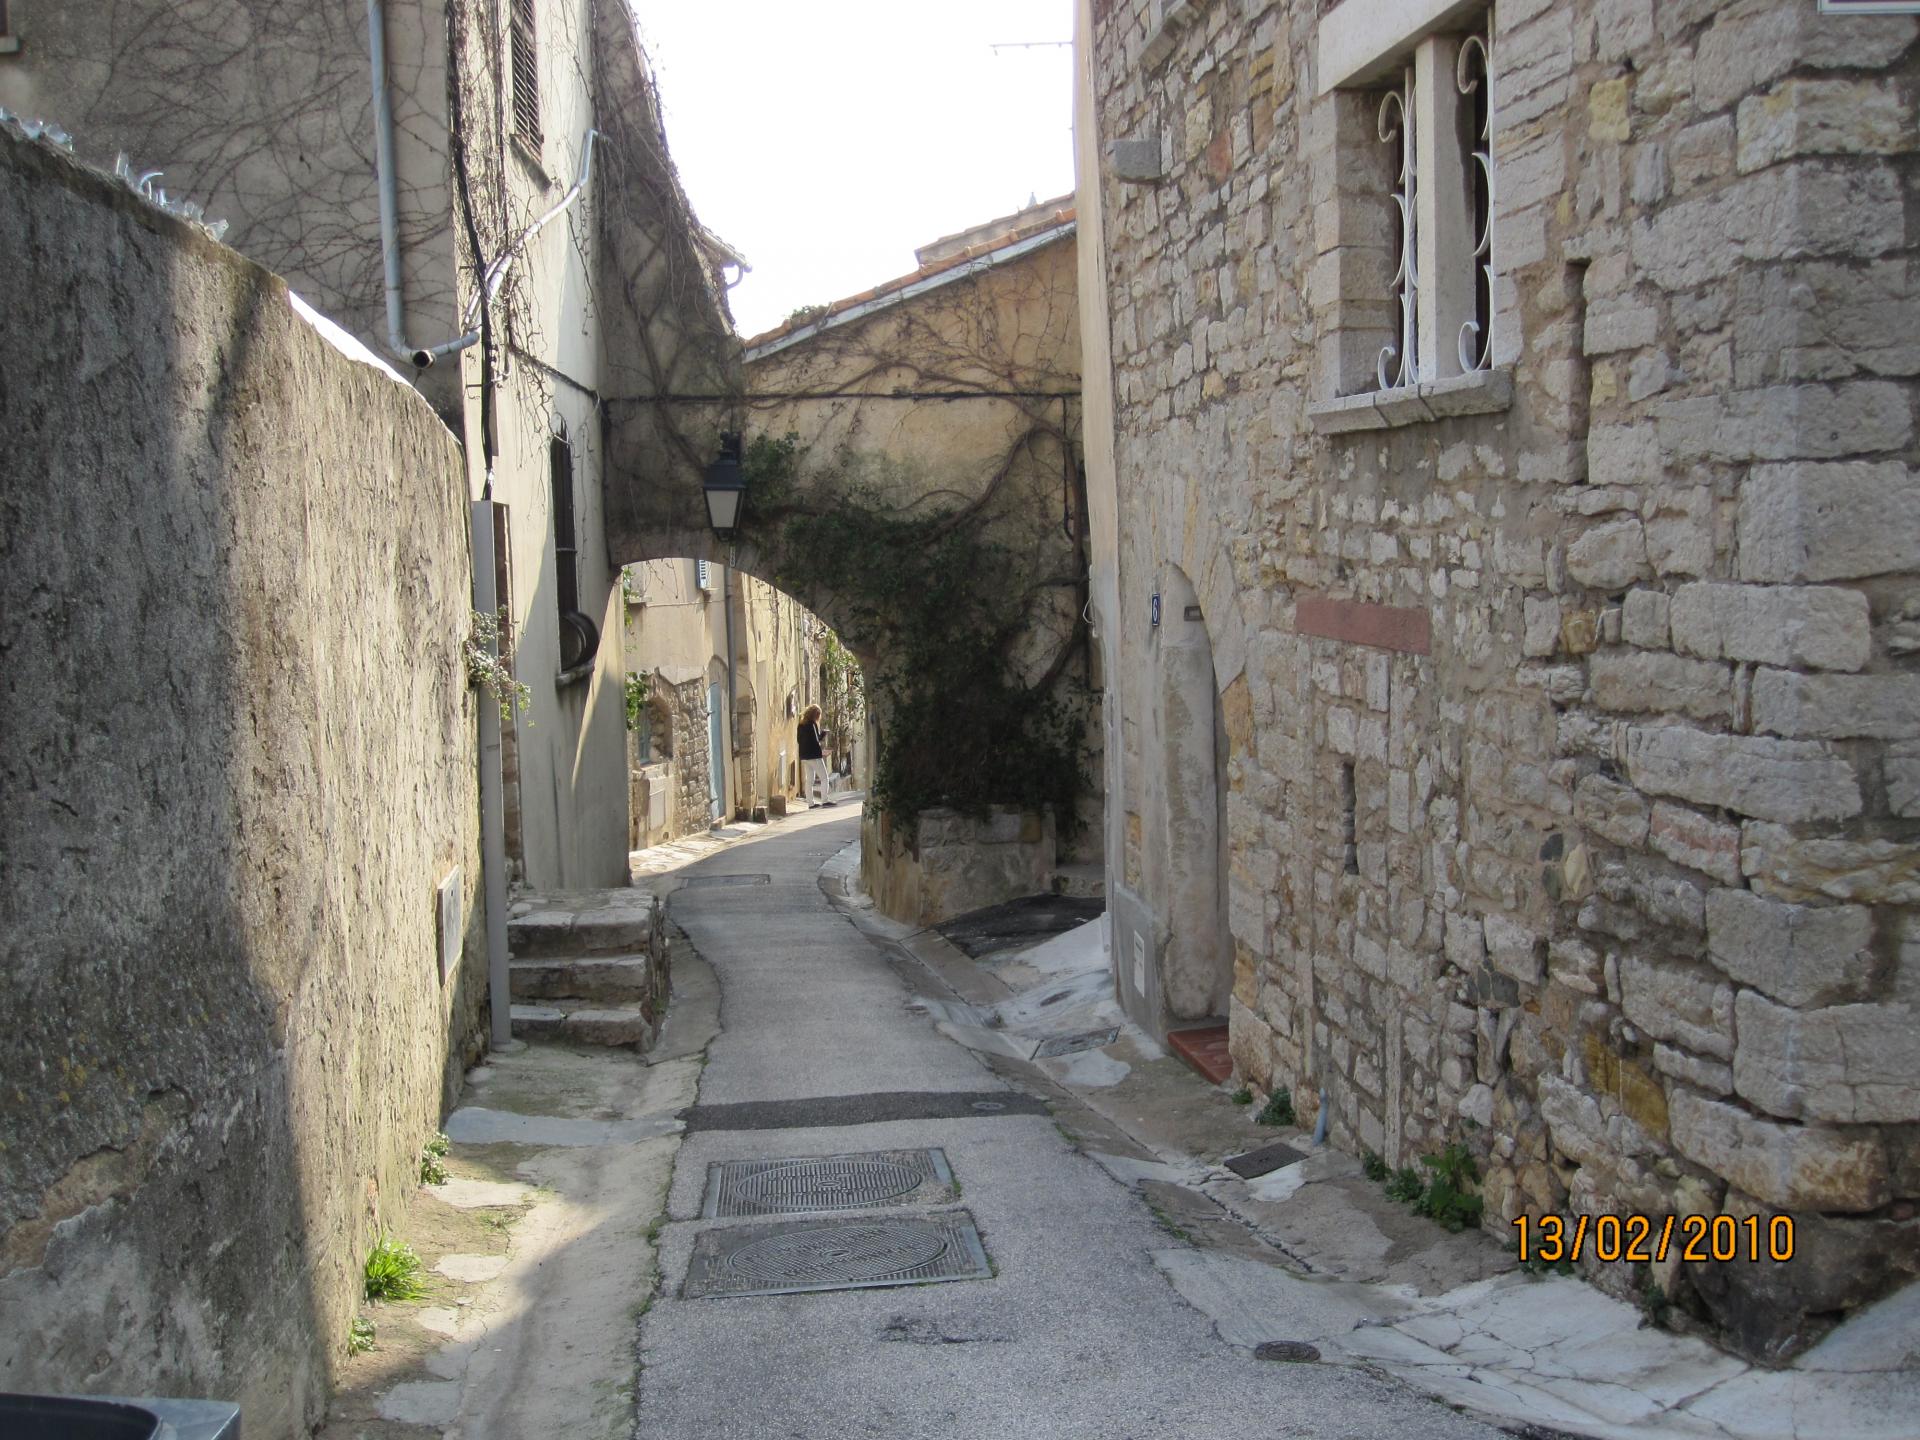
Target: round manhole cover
[[1295, 1351], [844, 1254], [833, 1185], [987, 1107]]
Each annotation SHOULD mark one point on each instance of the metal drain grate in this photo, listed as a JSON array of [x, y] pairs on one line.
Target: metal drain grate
[[1264, 1161], [1073, 1044], [797, 1255], [707, 882], [828, 1182]]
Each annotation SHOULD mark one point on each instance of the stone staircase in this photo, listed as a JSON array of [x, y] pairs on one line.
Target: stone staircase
[[590, 966]]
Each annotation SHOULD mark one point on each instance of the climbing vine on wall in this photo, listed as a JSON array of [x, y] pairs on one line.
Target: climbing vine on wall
[[935, 594], [843, 701]]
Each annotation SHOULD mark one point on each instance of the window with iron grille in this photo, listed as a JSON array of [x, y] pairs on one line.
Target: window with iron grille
[[525, 60]]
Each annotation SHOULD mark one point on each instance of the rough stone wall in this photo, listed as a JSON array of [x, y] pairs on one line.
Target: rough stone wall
[[237, 756], [950, 863], [1573, 746], [691, 762]]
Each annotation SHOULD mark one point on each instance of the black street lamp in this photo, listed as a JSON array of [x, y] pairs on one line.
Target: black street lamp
[[726, 486]]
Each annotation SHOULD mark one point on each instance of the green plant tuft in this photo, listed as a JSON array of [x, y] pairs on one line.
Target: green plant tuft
[[360, 1335], [489, 652], [1446, 1198], [1279, 1108], [433, 1160], [639, 687], [392, 1271], [1405, 1185], [1242, 1096], [1655, 1303], [1374, 1167]]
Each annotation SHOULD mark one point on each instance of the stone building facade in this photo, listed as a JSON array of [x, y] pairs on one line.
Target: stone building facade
[[1512, 594]]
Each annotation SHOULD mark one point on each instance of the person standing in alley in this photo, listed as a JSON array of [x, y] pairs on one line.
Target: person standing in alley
[[813, 759]]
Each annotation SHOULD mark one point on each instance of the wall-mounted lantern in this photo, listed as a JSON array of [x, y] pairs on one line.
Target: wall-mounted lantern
[[726, 486]]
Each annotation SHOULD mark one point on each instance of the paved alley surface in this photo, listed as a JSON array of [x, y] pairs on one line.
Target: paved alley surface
[[1077, 1332]]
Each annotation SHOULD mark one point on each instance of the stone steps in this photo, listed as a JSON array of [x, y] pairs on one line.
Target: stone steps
[[612, 979], [550, 933], [589, 967], [584, 1022]]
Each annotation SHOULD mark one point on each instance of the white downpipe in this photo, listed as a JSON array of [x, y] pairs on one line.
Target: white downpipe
[[496, 273], [389, 185]]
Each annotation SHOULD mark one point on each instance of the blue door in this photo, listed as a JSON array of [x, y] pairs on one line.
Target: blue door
[[716, 752]]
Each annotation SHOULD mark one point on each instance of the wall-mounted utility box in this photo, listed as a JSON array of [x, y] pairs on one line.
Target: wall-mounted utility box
[[447, 910]]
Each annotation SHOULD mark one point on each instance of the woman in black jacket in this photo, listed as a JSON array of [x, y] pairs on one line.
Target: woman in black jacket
[[813, 758]]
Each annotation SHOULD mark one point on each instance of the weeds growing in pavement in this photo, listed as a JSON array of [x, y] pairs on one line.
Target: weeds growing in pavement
[[392, 1271], [433, 1160], [1279, 1108]]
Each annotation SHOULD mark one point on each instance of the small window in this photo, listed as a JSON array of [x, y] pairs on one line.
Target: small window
[[524, 58], [1442, 208], [9, 42]]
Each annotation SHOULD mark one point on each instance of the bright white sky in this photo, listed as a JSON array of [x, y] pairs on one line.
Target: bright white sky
[[825, 139]]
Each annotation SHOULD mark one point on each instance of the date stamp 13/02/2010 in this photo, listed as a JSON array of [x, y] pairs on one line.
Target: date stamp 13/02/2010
[[1643, 1239]]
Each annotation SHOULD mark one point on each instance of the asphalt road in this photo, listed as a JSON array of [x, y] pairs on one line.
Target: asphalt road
[[1077, 1333]]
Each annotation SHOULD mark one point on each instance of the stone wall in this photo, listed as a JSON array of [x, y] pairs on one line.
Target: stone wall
[[953, 863], [237, 756], [1569, 747]]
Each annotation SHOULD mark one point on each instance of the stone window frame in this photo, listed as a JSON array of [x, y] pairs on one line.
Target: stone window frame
[[9, 42], [1368, 49]]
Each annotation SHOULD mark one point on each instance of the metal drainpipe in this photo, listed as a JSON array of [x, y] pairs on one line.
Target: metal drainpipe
[[733, 706], [389, 184]]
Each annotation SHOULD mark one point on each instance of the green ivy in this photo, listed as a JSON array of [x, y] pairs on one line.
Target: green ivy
[[639, 687], [942, 604]]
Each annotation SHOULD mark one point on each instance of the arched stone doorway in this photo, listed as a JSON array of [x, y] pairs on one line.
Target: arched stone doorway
[[1196, 963]]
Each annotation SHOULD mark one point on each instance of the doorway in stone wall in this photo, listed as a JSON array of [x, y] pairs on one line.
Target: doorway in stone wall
[[1196, 970], [716, 751]]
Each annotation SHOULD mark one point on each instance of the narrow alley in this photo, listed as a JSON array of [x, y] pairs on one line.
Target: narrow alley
[[1071, 1332], [1048, 718], [861, 1186]]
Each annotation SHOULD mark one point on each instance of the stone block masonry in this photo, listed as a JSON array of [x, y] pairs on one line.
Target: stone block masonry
[[237, 756], [1571, 729]]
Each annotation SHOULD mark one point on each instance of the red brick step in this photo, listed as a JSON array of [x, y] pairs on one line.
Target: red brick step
[[1205, 1049]]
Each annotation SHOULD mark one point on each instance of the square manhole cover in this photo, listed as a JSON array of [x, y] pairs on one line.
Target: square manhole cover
[[709, 882], [1264, 1161], [788, 1256], [828, 1182], [1073, 1044]]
